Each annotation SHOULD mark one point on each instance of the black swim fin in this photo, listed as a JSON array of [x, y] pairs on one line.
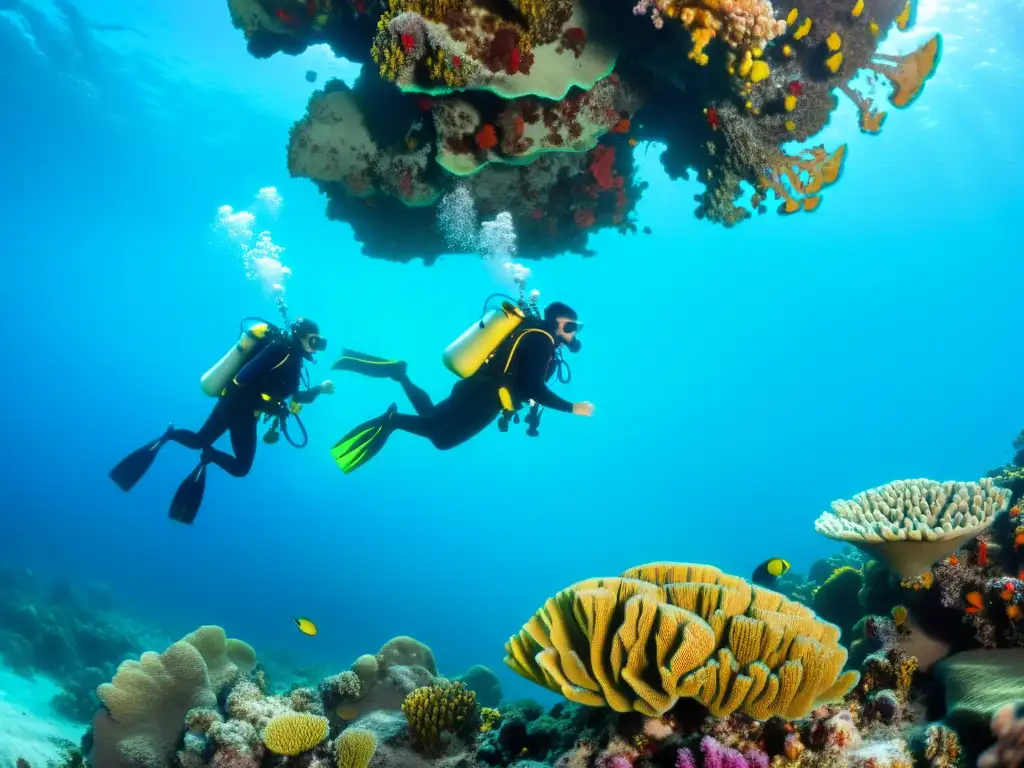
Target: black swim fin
[[133, 466], [369, 365], [189, 496], [364, 442]]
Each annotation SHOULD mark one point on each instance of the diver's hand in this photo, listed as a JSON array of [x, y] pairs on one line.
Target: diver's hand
[[583, 409], [326, 388]]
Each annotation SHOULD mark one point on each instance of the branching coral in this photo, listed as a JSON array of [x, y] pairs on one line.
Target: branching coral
[[797, 181], [438, 709], [910, 524], [667, 631]]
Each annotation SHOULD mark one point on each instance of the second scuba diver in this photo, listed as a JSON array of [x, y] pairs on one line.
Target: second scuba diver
[[504, 360], [256, 377]]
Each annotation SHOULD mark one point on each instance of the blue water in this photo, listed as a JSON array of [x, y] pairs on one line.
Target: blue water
[[743, 379]]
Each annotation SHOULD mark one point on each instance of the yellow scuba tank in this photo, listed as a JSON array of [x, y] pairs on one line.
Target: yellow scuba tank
[[215, 379], [466, 354]]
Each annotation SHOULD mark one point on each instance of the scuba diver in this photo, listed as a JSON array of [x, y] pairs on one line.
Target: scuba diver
[[258, 375], [504, 360]]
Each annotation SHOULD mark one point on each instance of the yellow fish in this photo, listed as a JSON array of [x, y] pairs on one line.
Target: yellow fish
[[768, 571], [305, 626]]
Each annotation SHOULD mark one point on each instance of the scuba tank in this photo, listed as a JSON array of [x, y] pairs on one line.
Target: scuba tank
[[474, 347], [468, 352], [214, 380]]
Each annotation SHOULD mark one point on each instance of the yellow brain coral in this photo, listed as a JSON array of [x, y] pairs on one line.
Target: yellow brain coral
[[436, 709], [294, 733], [355, 748], [666, 631]]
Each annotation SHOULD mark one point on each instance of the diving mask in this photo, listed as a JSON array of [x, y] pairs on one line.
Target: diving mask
[[317, 343], [571, 326]]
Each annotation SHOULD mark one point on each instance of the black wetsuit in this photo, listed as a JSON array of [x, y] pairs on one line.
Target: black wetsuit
[[474, 402], [272, 375]]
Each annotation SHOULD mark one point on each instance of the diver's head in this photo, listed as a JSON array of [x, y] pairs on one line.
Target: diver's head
[[562, 321], [307, 334]]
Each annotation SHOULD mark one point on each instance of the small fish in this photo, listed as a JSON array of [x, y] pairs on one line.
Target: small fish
[[975, 602], [768, 571], [1018, 541], [1015, 511], [982, 553], [1008, 592], [633, 142], [306, 626], [1014, 613]]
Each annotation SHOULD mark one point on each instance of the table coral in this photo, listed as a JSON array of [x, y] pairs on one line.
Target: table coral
[[911, 524]]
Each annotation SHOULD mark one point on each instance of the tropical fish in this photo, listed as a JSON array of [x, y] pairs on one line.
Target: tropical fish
[[975, 602], [770, 570], [306, 626], [982, 553], [1008, 592], [1014, 613]]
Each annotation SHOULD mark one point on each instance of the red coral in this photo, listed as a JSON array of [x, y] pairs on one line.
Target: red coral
[[456, 61], [584, 217], [408, 42], [514, 59], [601, 166], [487, 137], [575, 39]]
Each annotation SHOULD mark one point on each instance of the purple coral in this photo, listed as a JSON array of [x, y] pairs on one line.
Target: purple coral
[[717, 755], [684, 759]]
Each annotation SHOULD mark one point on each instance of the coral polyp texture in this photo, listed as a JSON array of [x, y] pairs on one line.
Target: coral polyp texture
[[666, 631], [911, 524], [535, 106]]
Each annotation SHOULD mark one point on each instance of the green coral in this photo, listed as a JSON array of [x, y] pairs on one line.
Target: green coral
[[838, 599]]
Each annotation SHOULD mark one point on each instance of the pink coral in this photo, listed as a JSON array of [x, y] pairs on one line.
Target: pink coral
[[1008, 728]]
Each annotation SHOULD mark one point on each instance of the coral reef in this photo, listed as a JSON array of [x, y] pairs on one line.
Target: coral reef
[[67, 632], [520, 99]]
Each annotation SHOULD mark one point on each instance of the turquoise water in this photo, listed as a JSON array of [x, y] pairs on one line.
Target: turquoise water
[[743, 379]]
